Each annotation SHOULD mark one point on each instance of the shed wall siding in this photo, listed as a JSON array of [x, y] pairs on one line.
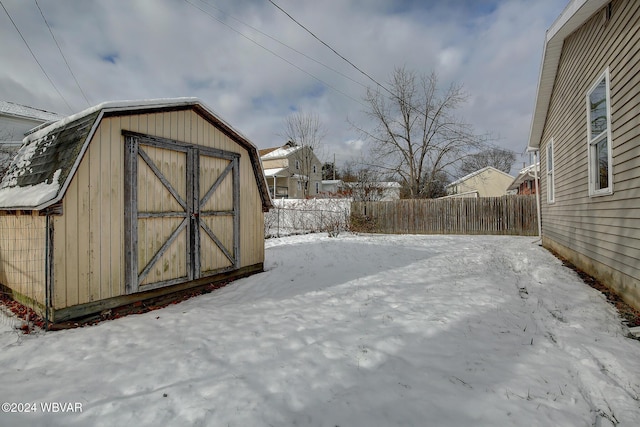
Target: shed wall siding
[[89, 236], [604, 229], [22, 255]]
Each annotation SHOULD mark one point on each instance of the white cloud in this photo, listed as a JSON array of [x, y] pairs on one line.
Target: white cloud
[[162, 48]]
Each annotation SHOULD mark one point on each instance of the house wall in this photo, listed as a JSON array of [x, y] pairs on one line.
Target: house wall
[[307, 159], [601, 235], [13, 128], [488, 184], [89, 236], [528, 187], [275, 163], [22, 256]]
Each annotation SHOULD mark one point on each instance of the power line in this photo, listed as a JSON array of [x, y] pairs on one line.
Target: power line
[[275, 54], [378, 84], [284, 44], [62, 54], [35, 58], [329, 47]]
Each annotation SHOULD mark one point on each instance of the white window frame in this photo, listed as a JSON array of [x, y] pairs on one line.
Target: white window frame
[[593, 140], [317, 188], [551, 182]]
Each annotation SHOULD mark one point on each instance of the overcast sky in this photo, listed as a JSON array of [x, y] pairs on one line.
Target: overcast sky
[[251, 63]]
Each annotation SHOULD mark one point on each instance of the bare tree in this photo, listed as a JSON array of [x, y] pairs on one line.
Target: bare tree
[[306, 131], [8, 150], [496, 157], [417, 135], [362, 182]]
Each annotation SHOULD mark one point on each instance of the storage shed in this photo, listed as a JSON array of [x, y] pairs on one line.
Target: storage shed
[[127, 201]]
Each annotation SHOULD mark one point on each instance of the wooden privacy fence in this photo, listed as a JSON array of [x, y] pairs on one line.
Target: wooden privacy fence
[[509, 215]]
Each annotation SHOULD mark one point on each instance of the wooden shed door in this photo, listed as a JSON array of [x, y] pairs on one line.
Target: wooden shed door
[[181, 212]]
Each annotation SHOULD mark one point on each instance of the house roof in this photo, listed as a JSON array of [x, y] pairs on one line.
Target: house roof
[[270, 173], [279, 152], [526, 174], [478, 172], [42, 170], [12, 109], [574, 15], [267, 150]]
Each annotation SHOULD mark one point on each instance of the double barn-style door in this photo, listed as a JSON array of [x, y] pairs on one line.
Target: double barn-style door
[[181, 212]]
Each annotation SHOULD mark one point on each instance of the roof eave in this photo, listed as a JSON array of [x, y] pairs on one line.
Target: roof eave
[[574, 15]]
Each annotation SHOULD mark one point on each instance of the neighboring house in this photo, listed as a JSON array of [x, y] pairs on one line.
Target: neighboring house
[[525, 182], [15, 121], [292, 171], [486, 182], [380, 191], [586, 129], [330, 187], [127, 201]]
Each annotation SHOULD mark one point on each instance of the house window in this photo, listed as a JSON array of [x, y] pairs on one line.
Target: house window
[[317, 187], [299, 185], [551, 186], [599, 137], [297, 164], [315, 169]]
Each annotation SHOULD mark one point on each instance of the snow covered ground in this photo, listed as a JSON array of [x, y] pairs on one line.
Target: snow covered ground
[[348, 331]]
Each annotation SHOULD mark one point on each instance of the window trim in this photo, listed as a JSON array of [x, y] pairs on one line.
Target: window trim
[[551, 182], [592, 142]]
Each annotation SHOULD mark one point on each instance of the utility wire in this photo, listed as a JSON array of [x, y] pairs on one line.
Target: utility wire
[[284, 44], [63, 57], [35, 58], [378, 84], [275, 54], [330, 48]]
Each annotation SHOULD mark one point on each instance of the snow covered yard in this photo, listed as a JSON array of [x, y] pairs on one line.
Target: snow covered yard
[[349, 331]]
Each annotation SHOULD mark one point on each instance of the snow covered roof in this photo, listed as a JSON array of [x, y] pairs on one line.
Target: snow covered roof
[[280, 153], [43, 163], [526, 174], [574, 15], [42, 170], [17, 110], [270, 173], [478, 172]]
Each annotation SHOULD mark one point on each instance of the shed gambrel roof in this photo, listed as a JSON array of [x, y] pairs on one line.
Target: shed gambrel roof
[[573, 17], [42, 170]]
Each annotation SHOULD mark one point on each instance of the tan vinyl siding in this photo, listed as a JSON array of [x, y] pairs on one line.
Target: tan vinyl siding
[[606, 228], [89, 236]]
